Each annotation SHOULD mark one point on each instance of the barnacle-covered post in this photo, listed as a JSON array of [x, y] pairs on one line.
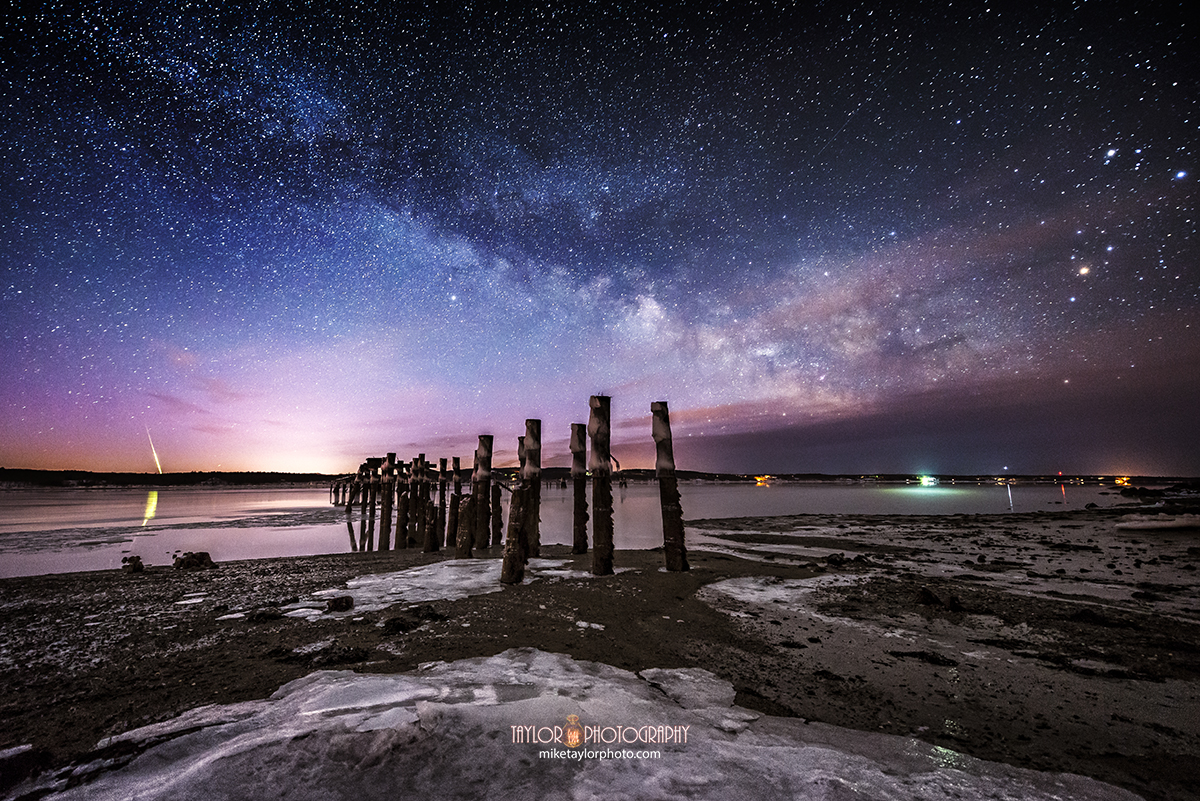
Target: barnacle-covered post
[[668, 488], [599, 429], [579, 480]]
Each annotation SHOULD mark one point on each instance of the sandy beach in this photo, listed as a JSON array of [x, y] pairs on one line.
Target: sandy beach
[[1055, 641]]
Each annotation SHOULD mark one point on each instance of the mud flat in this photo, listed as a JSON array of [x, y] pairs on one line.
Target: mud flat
[[1056, 642]]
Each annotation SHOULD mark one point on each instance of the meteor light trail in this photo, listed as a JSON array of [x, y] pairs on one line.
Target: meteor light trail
[[157, 463]]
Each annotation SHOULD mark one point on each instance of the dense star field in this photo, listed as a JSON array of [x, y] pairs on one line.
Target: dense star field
[[928, 238]]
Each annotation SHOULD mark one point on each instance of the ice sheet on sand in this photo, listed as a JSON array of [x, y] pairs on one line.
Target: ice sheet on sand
[[787, 593], [449, 580], [451, 731]]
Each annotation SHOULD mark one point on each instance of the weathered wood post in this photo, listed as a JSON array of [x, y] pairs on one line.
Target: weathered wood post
[[516, 545], [364, 492], [351, 494], [465, 535], [483, 492], [531, 478], [401, 505], [433, 534], [388, 491], [452, 512], [440, 537], [414, 502], [422, 513], [579, 479], [474, 488], [497, 517], [668, 488], [599, 429], [376, 467], [512, 571]]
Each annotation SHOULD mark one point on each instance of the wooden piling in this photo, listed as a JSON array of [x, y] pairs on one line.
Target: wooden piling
[[674, 550], [375, 467], [579, 480], [440, 538], [512, 570], [516, 544], [421, 528], [482, 491], [452, 512], [465, 534], [402, 504], [364, 491], [387, 490], [599, 429], [497, 518], [414, 502], [350, 496], [531, 480]]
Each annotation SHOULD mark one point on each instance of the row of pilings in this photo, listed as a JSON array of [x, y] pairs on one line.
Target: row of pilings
[[401, 498]]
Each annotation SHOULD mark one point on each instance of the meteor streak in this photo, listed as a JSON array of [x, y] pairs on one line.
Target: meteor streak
[[156, 462]]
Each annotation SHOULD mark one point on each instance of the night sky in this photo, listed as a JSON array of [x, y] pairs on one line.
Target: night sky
[[835, 239]]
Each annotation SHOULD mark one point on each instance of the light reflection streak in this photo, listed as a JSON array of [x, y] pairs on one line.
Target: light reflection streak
[[151, 506]]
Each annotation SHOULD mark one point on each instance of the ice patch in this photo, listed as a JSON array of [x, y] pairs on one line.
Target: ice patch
[[450, 580], [790, 594], [477, 729]]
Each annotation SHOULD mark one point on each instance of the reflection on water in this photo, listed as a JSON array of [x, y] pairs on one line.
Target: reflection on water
[[151, 506], [59, 530]]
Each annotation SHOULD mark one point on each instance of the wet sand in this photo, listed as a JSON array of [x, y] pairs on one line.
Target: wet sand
[[1052, 641]]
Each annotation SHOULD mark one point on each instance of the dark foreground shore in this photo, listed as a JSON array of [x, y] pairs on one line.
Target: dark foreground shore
[[1069, 652]]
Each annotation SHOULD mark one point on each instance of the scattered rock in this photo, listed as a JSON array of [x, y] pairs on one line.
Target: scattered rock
[[342, 603], [411, 618], [835, 559], [927, 656], [132, 564], [340, 655], [928, 597], [264, 614], [195, 561], [1095, 618]]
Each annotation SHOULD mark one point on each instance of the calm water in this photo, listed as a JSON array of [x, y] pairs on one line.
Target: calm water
[[64, 530]]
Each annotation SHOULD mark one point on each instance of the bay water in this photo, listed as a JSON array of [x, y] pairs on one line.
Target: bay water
[[65, 530]]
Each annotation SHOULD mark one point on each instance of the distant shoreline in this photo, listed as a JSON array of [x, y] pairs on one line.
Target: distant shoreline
[[21, 478]]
